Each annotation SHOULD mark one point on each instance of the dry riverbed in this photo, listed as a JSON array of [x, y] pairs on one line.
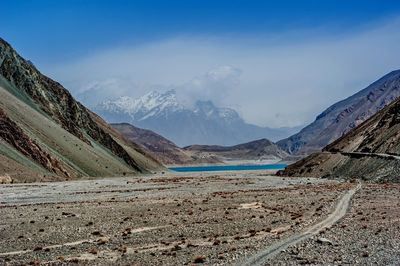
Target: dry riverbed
[[171, 219], [368, 235]]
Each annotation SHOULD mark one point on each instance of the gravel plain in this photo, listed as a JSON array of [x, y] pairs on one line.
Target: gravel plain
[[179, 219], [368, 235]]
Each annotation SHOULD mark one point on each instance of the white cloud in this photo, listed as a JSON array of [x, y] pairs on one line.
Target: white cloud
[[283, 82], [214, 85]]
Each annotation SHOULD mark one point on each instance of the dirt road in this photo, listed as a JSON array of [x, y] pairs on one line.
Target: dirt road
[[340, 210]]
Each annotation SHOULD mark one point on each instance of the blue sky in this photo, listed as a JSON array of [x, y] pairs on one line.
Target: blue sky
[[53, 30], [287, 50]]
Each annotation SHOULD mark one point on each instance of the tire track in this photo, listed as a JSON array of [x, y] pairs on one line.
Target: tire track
[[341, 209]]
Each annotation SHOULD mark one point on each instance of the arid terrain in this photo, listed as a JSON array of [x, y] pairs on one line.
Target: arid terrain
[[114, 118], [183, 219], [368, 235]]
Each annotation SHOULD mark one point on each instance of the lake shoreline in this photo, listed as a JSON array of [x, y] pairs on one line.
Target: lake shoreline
[[219, 168]]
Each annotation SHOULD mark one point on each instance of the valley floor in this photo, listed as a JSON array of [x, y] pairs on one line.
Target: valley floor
[[207, 218]]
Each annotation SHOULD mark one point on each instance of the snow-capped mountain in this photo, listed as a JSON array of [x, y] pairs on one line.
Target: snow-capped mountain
[[204, 123], [150, 104]]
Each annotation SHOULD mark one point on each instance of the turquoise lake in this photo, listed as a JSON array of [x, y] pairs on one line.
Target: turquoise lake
[[228, 168]]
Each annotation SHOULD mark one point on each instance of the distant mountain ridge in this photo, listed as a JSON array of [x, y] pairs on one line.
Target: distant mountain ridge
[[203, 124], [342, 117], [257, 150], [161, 148], [151, 104], [47, 134]]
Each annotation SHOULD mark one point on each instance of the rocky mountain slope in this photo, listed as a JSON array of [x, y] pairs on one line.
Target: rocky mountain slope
[[202, 124], [258, 150], [343, 116], [161, 148], [46, 131], [371, 151]]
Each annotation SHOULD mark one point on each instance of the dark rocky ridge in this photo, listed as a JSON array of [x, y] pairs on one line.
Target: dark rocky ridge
[[59, 137], [52, 98], [13, 135], [343, 116], [371, 151]]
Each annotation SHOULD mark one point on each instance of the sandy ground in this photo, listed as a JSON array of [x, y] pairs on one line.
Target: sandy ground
[[172, 219]]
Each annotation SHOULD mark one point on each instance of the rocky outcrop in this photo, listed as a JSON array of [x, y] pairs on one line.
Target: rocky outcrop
[[6, 179], [48, 135], [11, 133], [342, 117], [53, 99], [370, 152]]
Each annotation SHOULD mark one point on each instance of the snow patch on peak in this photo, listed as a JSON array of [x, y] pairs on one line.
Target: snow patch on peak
[[155, 104], [151, 104], [120, 104]]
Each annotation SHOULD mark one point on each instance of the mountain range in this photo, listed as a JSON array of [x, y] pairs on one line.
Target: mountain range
[[371, 151], [45, 134], [333, 123], [161, 148], [170, 154], [261, 150], [340, 118], [204, 123]]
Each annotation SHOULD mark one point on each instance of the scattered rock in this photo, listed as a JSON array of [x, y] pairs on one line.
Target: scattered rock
[[123, 249], [96, 233], [324, 241], [38, 248], [365, 254], [176, 248], [5, 179], [216, 242], [93, 251], [35, 262], [102, 240], [199, 259]]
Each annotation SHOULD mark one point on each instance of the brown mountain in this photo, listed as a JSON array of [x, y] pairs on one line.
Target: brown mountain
[[262, 149], [343, 116], [371, 151], [161, 148], [46, 134]]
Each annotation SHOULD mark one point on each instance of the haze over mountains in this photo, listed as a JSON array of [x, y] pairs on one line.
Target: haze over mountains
[[334, 122], [204, 123], [258, 151], [71, 141], [46, 135], [342, 117]]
